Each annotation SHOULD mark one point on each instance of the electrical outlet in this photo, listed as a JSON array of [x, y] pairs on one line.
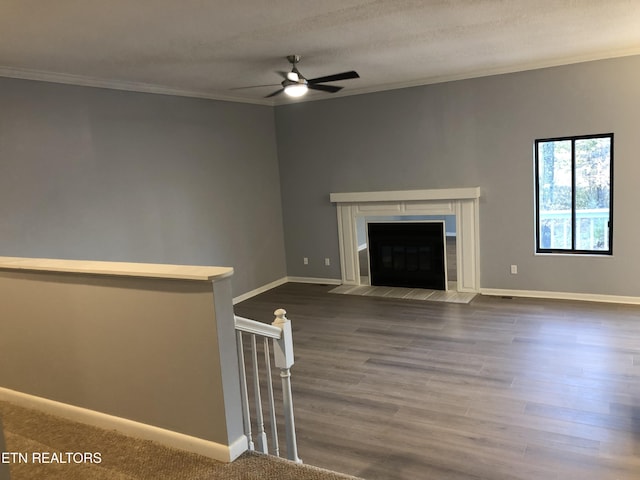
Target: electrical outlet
[[305, 260], [514, 269], [327, 262]]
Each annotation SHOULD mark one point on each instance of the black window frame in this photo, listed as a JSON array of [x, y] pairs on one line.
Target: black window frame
[[573, 250]]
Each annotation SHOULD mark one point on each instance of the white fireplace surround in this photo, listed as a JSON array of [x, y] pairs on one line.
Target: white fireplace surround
[[461, 202]]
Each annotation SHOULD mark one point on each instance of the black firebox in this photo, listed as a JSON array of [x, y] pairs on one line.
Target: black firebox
[[407, 254]]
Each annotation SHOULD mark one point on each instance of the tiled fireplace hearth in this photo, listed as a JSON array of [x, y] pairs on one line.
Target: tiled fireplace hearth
[[461, 202]]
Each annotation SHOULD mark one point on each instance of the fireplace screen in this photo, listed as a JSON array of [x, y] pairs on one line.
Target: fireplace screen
[[407, 254]]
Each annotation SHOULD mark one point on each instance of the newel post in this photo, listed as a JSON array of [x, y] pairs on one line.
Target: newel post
[[283, 356]]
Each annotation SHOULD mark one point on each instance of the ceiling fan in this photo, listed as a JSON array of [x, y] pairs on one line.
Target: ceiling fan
[[296, 85]]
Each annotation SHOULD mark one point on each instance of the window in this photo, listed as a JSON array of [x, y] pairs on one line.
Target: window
[[574, 194]]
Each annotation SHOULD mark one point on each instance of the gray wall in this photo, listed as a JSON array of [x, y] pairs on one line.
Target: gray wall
[[477, 132], [89, 173]]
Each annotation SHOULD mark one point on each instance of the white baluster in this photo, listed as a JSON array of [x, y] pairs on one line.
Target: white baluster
[[272, 407], [283, 355], [243, 391], [261, 436]]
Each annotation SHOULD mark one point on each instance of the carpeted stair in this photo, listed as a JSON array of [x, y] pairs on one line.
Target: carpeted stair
[[126, 458]]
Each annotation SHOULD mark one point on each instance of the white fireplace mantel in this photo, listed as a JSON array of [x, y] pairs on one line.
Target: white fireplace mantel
[[461, 202]]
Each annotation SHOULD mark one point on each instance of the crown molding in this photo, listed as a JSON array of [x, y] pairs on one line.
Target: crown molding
[[487, 72], [80, 80], [84, 81]]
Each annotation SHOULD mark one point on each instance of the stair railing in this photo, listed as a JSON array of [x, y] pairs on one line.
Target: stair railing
[[279, 334]]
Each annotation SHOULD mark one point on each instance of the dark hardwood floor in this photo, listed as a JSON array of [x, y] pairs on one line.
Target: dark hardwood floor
[[497, 389]]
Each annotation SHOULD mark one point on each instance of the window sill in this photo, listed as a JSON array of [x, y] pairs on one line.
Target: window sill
[[573, 255]]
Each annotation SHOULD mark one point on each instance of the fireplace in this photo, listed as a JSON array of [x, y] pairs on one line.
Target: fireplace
[[407, 254], [462, 203]]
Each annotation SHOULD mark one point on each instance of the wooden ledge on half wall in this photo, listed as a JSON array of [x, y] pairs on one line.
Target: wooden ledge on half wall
[[128, 269]]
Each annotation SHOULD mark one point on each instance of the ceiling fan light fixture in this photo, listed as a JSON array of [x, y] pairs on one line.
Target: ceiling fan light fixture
[[294, 75], [296, 90]]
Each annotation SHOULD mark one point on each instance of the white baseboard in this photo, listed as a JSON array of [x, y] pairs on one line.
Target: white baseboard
[[587, 297], [322, 281], [259, 290], [217, 451]]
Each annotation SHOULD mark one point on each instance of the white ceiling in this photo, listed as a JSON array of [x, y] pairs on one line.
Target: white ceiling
[[207, 48]]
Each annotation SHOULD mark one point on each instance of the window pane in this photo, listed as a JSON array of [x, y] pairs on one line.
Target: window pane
[[593, 169], [554, 194]]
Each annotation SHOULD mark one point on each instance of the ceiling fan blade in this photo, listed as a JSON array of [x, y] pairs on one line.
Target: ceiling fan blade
[[277, 92], [324, 88], [255, 86], [336, 77]]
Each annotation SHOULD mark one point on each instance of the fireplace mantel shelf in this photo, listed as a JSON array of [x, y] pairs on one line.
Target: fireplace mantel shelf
[[407, 195]]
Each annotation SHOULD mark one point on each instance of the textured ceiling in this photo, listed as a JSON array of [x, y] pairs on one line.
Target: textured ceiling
[[211, 48]]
